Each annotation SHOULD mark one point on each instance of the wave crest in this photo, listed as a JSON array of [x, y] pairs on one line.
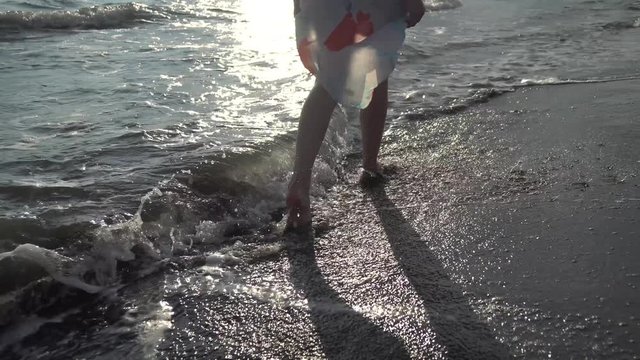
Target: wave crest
[[438, 5], [95, 17], [622, 25]]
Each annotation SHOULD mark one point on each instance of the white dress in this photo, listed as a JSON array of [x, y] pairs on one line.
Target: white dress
[[351, 46]]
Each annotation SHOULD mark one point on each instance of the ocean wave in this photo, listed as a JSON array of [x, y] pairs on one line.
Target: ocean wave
[[481, 92], [439, 5], [622, 25], [96, 257], [170, 228], [634, 6], [542, 81], [60, 267], [556, 81], [96, 17], [232, 205]]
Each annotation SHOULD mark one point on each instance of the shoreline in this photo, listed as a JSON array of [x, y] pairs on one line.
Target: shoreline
[[506, 230], [528, 205]]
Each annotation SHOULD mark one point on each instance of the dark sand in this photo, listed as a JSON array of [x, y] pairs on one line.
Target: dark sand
[[511, 227], [508, 230]]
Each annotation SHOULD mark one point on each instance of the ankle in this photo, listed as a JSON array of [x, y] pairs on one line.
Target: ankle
[[300, 183], [372, 166]]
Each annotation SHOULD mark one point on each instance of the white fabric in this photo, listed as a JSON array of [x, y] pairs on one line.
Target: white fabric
[[350, 45]]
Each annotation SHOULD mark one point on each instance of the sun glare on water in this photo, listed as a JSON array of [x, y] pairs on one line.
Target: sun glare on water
[[246, 71], [269, 24], [266, 31], [267, 55]]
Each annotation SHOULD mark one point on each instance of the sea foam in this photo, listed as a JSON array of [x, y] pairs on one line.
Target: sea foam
[[96, 17], [438, 5]]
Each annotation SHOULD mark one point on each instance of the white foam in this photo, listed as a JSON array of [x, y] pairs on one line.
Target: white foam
[[217, 259], [543, 81], [209, 232], [153, 329], [96, 17], [439, 5], [111, 244], [556, 81], [59, 267], [324, 175], [268, 250], [114, 243]]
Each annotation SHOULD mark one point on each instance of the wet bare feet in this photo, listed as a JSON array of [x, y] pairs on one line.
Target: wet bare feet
[[299, 212], [373, 177]]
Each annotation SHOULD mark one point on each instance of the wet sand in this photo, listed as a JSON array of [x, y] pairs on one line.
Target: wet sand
[[508, 230], [531, 205], [511, 228]]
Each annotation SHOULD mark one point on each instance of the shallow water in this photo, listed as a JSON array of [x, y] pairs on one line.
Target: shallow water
[[133, 130], [106, 101]]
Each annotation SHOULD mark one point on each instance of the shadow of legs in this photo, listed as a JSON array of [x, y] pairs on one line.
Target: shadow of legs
[[455, 324], [344, 333]]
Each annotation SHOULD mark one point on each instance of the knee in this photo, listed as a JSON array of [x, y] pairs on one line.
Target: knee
[[380, 94]]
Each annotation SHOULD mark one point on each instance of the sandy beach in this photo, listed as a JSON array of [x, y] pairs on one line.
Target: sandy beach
[[147, 149], [507, 230]]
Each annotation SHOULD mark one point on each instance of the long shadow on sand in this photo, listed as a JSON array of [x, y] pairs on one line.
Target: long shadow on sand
[[451, 317], [344, 333]]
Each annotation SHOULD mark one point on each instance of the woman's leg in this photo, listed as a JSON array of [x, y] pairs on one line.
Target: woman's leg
[[314, 121], [372, 120]]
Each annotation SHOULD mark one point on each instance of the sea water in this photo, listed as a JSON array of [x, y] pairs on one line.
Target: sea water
[[139, 129]]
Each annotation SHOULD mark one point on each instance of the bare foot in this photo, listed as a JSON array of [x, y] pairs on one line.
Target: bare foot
[[299, 212], [372, 177]]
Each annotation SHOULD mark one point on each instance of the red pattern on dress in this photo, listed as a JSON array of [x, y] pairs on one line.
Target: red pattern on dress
[[350, 31]]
